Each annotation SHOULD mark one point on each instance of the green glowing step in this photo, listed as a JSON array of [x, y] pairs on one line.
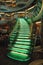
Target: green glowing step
[[24, 33], [22, 46], [25, 28], [19, 50], [18, 56], [23, 37], [25, 40], [23, 43], [13, 34], [39, 4], [22, 30], [11, 39]]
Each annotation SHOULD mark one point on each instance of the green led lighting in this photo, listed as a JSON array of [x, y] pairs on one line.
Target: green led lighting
[[18, 56], [23, 43], [25, 40], [19, 50], [22, 46]]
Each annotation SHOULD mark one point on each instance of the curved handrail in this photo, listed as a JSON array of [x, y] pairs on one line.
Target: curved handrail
[[38, 16]]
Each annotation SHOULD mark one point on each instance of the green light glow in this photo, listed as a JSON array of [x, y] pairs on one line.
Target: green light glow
[[23, 43], [19, 50], [22, 46], [18, 56], [25, 40]]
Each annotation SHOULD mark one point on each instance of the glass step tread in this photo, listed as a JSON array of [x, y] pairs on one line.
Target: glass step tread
[[24, 32], [23, 43], [18, 56], [19, 50], [23, 40], [22, 46], [23, 37], [11, 38]]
